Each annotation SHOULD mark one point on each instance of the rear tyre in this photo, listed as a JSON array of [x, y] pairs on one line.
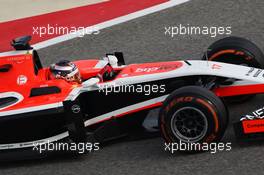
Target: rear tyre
[[193, 115], [239, 51]]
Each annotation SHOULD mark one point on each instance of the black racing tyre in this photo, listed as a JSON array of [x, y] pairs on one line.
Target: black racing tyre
[[236, 50], [193, 114]]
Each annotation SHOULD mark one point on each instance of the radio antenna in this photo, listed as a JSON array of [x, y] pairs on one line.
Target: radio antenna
[[206, 55]]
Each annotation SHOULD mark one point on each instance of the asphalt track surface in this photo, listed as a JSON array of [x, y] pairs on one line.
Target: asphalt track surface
[[143, 40]]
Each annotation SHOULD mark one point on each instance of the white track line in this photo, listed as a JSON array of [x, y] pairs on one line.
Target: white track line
[[112, 22]]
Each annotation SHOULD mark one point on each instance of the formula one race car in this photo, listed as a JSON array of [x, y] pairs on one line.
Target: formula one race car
[[100, 100]]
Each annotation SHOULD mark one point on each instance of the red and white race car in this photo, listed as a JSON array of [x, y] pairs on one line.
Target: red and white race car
[[104, 99]]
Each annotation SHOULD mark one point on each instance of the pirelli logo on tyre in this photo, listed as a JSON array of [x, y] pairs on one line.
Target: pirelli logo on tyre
[[177, 100]]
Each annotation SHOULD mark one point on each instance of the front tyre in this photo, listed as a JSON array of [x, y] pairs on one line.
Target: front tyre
[[239, 51], [193, 115], [235, 50]]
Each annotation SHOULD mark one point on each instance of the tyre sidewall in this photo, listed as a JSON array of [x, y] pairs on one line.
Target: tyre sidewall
[[214, 127]]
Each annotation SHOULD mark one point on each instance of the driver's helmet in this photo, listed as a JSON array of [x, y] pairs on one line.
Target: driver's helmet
[[66, 70]]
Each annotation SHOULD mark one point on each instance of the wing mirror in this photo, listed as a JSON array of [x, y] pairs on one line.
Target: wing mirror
[[21, 43]]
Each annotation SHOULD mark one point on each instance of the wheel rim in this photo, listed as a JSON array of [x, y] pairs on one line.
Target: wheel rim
[[189, 124]]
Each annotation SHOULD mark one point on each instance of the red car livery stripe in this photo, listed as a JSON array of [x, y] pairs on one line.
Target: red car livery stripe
[[239, 90], [150, 68]]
